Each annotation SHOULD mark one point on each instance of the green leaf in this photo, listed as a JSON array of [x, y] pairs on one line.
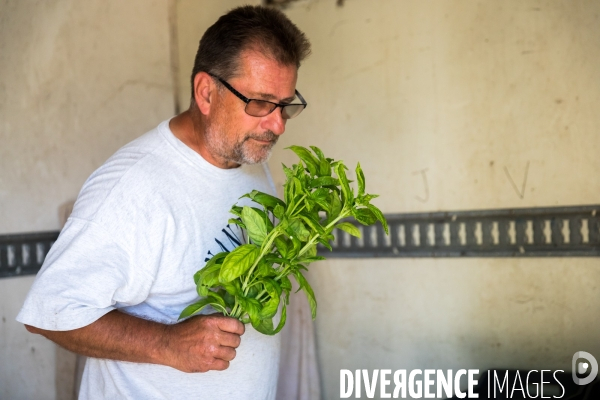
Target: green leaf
[[282, 246], [361, 180], [238, 262], [364, 216], [308, 291], [214, 264], [305, 155], [255, 225], [364, 200], [194, 308], [299, 230], [310, 259], [324, 181], [265, 269], [379, 215], [233, 288], [325, 242], [336, 206], [264, 199], [312, 223], [288, 172], [324, 164], [281, 321], [216, 297], [264, 326], [279, 211], [236, 210], [285, 283], [312, 251], [350, 228], [346, 191], [270, 307], [321, 196], [251, 306], [237, 222]]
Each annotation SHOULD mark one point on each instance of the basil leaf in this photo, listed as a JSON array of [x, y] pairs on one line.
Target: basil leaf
[[270, 307], [286, 287], [236, 210], [361, 180], [324, 164], [264, 199], [324, 181], [325, 243], [279, 211], [379, 215], [305, 155], [350, 228], [299, 230], [313, 223], [255, 225], [264, 326], [251, 306], [281, 321], [282, 246], [238, 262], [346, 191], [216, 297], [364, 216], [311, 259], [312, 251], [233, 288], [214, 264], [237, 222], [194, 308], [265, 269], [308, 291]]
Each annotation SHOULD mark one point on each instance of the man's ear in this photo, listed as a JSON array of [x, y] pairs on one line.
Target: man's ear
[[204, 90]]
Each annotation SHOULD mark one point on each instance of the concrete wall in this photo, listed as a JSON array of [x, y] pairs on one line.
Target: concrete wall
[[468, 95], [77, 81]]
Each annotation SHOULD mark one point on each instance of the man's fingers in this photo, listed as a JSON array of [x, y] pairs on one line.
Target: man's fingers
[[232, 325], [230, 339], [225, 353], [219, 365]]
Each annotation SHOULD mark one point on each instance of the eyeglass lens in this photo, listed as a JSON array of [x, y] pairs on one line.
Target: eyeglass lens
[[258, 108]]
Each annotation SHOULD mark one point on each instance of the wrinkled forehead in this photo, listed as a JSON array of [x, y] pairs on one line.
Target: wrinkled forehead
[[259, 74]]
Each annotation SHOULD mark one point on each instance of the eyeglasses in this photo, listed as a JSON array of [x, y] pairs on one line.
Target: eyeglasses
[[261, 108]]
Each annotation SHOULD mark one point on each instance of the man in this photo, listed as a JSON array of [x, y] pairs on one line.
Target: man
[[115, 281]]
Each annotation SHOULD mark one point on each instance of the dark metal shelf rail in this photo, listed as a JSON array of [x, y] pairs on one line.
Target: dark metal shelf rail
[[23, 254], [526, 232]]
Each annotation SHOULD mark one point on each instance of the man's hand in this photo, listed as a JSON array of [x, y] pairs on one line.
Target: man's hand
[[203, 343], [199, 344]]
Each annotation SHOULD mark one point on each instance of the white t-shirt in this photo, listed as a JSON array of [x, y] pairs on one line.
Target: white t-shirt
[[143, 224]]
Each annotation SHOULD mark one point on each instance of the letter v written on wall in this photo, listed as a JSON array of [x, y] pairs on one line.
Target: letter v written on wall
[[232, 240]]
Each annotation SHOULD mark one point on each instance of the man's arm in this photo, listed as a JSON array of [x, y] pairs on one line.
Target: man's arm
[[199, 344]]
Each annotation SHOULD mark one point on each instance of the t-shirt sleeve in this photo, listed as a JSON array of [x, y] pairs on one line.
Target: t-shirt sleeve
[[85, 275]]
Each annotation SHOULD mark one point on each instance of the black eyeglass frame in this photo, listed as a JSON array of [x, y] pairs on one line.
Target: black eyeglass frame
[[248, 100]]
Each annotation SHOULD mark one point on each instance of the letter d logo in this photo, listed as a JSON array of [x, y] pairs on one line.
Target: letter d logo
[[583, 367]]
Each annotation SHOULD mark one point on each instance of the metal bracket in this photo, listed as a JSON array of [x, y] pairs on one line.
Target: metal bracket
[[23, 254], [526, 232]]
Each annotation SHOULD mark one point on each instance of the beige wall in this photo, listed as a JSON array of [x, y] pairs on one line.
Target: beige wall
[[467, 91], [77, 81]]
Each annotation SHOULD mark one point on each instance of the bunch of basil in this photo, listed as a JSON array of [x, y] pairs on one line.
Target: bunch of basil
[[249, 282]]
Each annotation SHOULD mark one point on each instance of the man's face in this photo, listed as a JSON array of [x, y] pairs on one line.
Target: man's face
[[233, 136]]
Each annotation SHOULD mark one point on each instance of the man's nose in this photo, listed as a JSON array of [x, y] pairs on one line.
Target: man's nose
[[274, 122]]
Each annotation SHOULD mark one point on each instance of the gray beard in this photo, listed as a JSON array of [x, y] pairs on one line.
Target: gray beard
[[239, 153]]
